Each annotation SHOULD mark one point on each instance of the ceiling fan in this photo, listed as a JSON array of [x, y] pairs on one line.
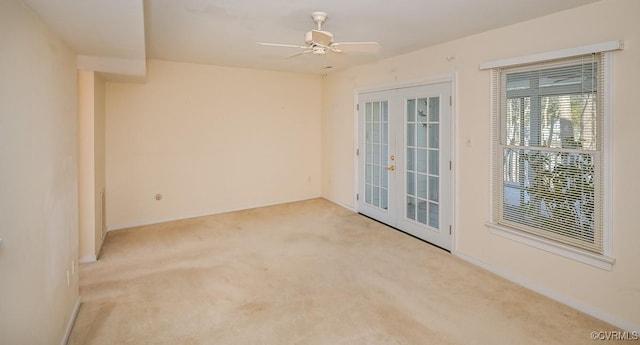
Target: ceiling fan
[[320, 42]]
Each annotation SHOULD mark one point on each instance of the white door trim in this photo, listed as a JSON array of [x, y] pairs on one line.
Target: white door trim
[[447, 77], [443, 78]]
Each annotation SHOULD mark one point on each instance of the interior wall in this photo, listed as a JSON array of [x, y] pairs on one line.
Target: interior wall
[[98, 159], [611, 295], [86, 166], [209, 139], [38, 180], [91, 162]]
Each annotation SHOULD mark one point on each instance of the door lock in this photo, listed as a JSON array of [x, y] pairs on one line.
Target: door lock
[[391, 167]]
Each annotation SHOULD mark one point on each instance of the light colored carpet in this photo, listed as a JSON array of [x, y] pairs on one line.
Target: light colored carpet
[[309, 272]]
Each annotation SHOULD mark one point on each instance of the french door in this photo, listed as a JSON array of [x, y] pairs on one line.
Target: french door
[[404, 160]]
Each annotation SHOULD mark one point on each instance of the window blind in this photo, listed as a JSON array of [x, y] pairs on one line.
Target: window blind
[[548, 147]]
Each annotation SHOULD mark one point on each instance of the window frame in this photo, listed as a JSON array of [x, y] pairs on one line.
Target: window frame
[[606, 259]]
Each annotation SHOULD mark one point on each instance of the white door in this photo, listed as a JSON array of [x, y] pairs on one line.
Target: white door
[[376, 158], [405, 160]]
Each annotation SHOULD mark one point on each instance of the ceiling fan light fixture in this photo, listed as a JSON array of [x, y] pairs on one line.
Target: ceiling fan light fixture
[[319, 50]]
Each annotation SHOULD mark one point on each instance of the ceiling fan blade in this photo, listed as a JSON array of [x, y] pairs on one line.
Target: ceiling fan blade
[[300, 53], [356, 47], [336, 56], [321, 38], [283, 45]]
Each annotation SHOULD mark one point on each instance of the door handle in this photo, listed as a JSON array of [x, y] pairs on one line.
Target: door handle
[[391, 167]]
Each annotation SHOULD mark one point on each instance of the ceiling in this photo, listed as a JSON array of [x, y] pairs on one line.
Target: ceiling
[[226, 32]]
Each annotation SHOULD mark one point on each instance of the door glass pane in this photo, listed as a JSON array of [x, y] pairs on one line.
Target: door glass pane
[[433, 188], [376, 196], [376, 133], [421, 186], [422, 110], [434, 109], [376, 175], [411, 183], [376, 154], [433, 215], [422, 212], [434, 136], [422, 161], [385, 111], [411, 159], [434, 168], [422, 135], [384, 197], [376, 112], [411, 208]]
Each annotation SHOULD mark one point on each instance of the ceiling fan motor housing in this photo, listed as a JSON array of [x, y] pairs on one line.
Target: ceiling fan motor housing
[[308, 37]]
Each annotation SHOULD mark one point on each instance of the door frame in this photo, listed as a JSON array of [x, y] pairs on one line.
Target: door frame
[[444, 78]]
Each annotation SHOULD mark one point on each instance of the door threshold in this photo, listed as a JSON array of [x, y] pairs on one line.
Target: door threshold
[[406, 233]]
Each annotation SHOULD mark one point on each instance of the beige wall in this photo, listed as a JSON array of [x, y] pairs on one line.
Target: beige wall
[[99, 109], [611, 295], [209, 139], [91, 167], [38, 180], [86, 168]]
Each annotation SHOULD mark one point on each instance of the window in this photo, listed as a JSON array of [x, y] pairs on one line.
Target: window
[[549, 152]]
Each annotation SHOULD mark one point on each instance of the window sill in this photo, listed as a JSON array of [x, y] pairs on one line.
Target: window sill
[[596, 260]]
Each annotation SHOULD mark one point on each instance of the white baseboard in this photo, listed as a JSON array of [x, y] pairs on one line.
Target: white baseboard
[[87, 259], [599, 314], [72, 321], [205, 214], [100, 247], [350, 208]]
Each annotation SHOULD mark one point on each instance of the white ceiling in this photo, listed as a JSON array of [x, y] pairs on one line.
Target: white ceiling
[[112, 28], [226, 32]]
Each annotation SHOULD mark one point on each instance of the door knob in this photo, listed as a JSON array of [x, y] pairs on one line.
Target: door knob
[[391, 167]]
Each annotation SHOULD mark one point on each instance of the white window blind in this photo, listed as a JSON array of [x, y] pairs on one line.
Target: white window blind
[[548, 149]]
